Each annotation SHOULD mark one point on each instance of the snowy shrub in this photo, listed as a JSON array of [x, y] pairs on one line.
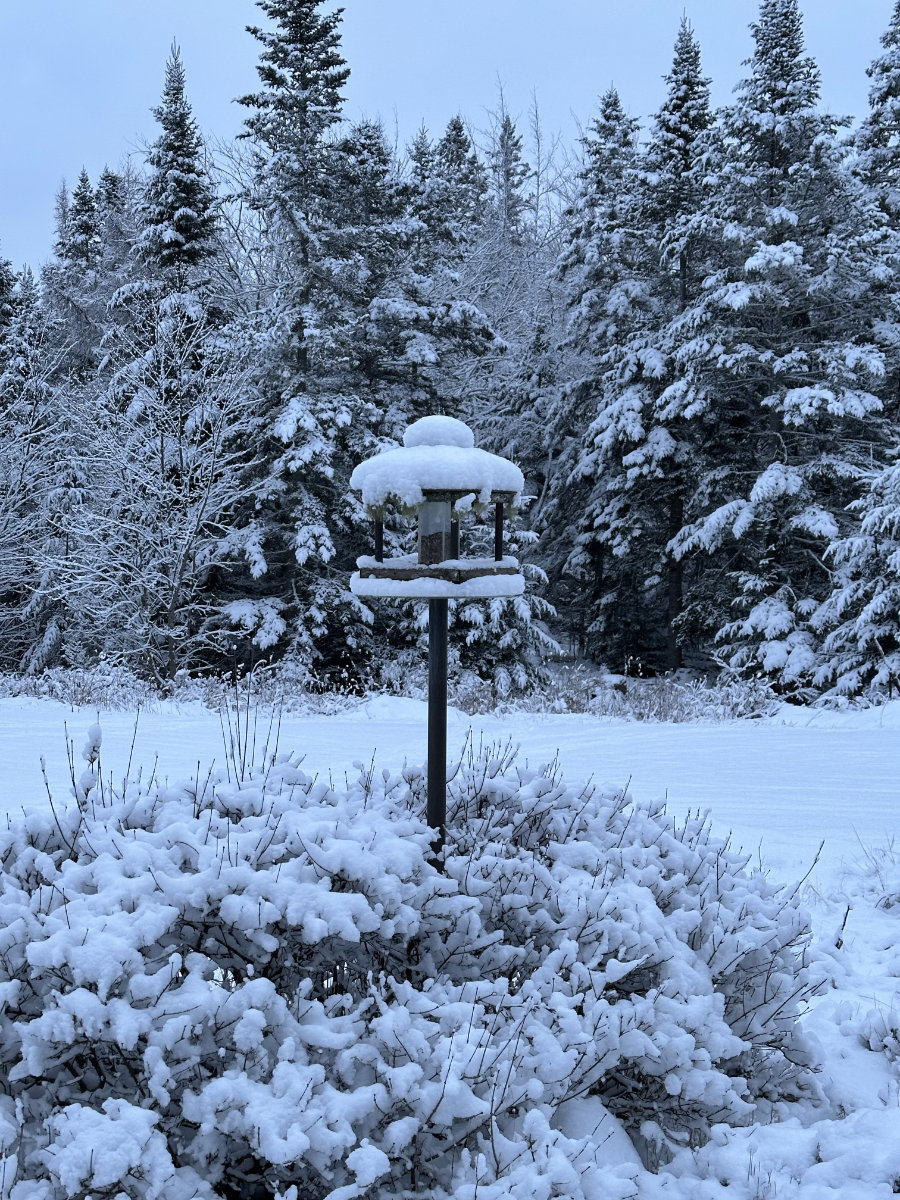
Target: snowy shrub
[[679, 697], [874, 874], [286, 685], [262, 986], [880, 1031], [101, 686]]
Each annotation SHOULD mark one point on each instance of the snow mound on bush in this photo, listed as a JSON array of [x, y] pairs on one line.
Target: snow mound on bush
[[266, 983]]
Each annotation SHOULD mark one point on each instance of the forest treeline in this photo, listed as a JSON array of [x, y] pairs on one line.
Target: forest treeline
[[687, 334]]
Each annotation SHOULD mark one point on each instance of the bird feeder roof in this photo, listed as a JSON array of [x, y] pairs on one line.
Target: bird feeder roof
[[438, 455]]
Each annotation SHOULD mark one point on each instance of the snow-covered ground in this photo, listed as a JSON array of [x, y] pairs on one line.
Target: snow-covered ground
[[782, 786]]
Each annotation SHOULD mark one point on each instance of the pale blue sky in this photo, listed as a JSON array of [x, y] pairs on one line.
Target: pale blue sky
[[78, 77]]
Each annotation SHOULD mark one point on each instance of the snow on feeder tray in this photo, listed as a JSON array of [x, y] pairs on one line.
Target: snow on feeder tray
[[437, 475]]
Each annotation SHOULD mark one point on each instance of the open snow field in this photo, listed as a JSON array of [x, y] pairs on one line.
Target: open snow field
[[781, 785]]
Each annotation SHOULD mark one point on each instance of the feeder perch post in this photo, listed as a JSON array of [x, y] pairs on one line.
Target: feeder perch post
[[436, 808], [379, 540]]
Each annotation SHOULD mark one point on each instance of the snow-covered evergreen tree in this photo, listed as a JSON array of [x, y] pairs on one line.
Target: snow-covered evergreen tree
[[448, 187], [877, 165], [460, 209], [82, 228], [7, 285], [293, 594], [779, 374], [596, 269], [674, 192], [71, 283], [632, 454], [179, 205], [877, 140], [509, 175], [119, 202], [861, 617]]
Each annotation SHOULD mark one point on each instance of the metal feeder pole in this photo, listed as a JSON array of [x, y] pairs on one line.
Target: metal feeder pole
[[437, 721]]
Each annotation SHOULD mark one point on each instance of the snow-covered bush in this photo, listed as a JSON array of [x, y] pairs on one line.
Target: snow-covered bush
[[263, 986], [677, 697], [101, 686], [286, 685]]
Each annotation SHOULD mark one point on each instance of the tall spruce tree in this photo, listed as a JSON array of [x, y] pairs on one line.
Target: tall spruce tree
[[596, 268], [877, 165], [878, 137], [634, 454], [509, 174], [119, 217], [860, 619], [465, 181], [778, 375], [301, 409], [72, 282], [82, 228], [179, 219], [674, 193], [448, 191]]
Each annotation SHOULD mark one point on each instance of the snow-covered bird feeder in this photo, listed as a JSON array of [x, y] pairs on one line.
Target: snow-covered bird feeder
[[438, 475]]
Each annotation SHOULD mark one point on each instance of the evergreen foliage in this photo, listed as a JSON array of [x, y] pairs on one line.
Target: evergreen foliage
[[300, 410], [7, 285], [72, 284], [691, 347], [179, 205], [595, 272], [878, 137], [783, 370], [509, 174], [82, 231], [861, 616]]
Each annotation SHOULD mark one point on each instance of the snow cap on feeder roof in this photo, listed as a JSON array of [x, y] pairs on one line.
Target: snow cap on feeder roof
[[438, 455]]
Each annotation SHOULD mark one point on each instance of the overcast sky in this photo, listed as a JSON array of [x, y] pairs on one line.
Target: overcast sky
[[78, 77]]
